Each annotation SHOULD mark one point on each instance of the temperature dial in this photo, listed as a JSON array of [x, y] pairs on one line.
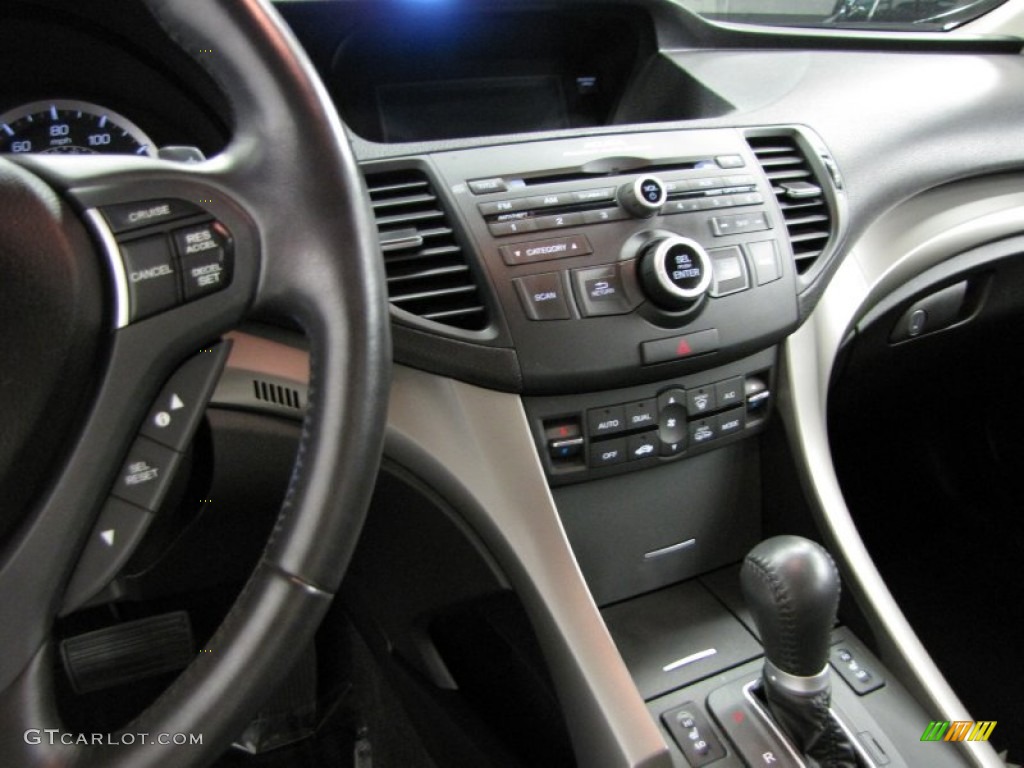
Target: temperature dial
[[643, 197], [675, 272]]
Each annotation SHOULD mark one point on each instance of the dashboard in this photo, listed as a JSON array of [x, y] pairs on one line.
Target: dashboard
[[629, 255]]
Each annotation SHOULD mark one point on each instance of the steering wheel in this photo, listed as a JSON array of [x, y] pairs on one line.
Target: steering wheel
[[74, 388]]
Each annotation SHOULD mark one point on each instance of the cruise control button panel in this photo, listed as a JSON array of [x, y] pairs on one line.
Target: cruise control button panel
[[171, 252]]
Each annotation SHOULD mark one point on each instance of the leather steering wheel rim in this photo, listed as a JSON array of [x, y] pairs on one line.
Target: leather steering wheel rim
[[312, 251]]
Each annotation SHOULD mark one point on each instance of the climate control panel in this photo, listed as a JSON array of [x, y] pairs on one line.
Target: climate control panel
[[581, 437]]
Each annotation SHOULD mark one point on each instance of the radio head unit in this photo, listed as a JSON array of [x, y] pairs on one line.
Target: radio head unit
[[627, 259]]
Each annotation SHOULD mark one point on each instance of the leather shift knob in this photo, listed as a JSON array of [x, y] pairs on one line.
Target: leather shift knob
[[791, 587]]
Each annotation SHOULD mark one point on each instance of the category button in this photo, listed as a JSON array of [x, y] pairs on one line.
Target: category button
[[544, 250], [152, 274], [543, 296]]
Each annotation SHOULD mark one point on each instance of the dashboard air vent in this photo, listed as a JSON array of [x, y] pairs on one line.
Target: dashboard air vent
[[800, 193], [276, 394], [426, 269]]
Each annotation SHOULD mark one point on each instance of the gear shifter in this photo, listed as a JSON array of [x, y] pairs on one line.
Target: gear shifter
[[791, 587]]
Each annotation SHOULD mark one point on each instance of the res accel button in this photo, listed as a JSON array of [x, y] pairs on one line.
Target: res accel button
[[206, 258], [152, 275]]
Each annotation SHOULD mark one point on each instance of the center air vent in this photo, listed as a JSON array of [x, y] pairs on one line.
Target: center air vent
[[805, 208], [426, 268]]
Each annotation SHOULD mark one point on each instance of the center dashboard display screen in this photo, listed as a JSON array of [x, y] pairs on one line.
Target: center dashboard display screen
[[471, 107]]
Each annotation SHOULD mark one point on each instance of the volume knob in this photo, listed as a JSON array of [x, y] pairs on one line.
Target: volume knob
[[643, 197], [675, 272]]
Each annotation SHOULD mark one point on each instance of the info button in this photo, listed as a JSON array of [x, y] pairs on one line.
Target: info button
[[545, 250]]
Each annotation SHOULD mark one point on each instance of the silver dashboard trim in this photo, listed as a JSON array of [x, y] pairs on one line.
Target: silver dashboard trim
[[122, 306], [476, 447], [910, 239]]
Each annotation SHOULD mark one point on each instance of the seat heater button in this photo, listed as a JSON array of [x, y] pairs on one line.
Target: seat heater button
[[152, 273], [146, 474]]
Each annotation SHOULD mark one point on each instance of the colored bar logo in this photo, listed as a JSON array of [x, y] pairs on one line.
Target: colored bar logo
[[958, 730]]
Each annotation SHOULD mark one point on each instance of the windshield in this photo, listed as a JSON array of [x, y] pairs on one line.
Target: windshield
[[901, 15]]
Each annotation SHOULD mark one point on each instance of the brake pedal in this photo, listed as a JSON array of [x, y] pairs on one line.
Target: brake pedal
[[129, 652]]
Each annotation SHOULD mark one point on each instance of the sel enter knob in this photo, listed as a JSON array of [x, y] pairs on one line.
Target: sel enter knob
[[675, 272], [643, 197]]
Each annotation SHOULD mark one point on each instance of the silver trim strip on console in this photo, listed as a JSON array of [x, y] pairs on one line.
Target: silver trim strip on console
[[669, 550], [910, 239], [700, 655]]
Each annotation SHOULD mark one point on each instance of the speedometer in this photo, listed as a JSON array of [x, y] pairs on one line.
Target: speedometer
[[71, 127]]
